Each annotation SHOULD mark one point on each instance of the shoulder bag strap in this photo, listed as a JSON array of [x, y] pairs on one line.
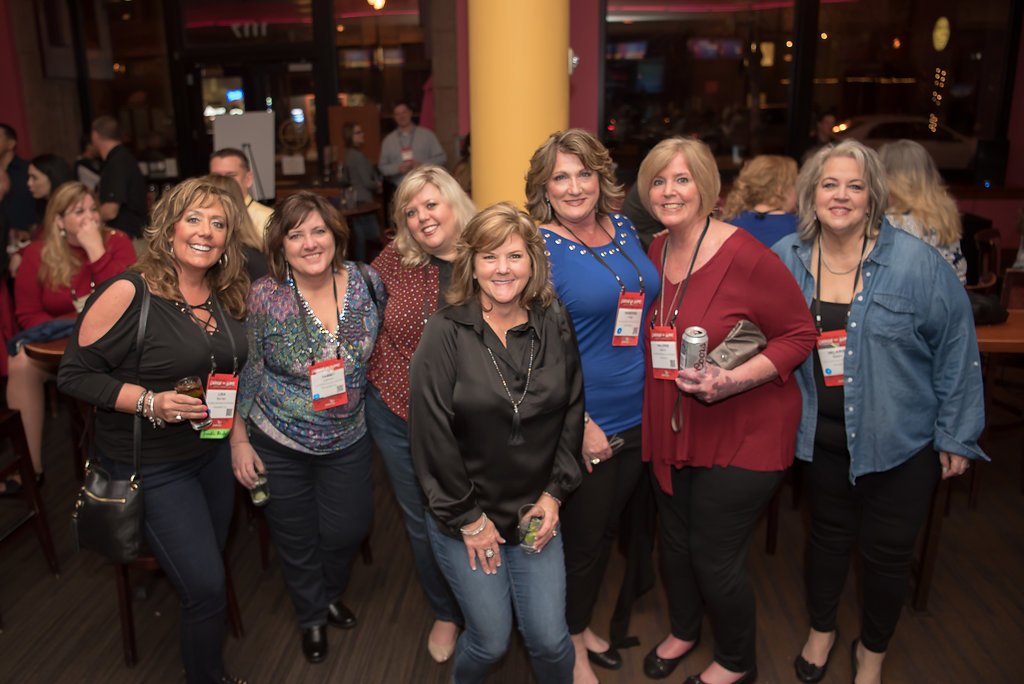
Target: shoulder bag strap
[[143, 318]]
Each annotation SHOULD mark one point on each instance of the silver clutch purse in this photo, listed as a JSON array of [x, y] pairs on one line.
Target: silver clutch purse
[[744, 342]]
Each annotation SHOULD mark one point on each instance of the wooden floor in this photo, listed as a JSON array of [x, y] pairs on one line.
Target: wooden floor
[[66, 629]]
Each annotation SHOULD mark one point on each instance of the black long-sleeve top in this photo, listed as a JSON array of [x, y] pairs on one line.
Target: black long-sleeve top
[[460, 416]]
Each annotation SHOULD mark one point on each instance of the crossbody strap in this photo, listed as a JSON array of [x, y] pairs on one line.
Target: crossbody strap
[[137, 436]]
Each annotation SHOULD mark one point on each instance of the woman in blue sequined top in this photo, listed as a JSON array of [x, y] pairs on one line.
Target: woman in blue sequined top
[[312, 325]]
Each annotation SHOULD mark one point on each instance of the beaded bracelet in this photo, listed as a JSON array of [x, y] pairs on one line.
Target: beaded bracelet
[[557, 500], [473, 533], [140, 402]]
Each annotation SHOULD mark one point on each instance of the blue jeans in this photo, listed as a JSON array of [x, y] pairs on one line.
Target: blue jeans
[[391, 434], [319, 513], [188, 512], [531, 585]]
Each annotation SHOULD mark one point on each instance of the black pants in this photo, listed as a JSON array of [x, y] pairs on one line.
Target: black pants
[[589, 520], [706, 527], [883, 512]]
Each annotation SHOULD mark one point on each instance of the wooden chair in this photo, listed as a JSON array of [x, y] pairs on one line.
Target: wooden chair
[[124, 600], [12, 429], [1012, 295], [987, 243]]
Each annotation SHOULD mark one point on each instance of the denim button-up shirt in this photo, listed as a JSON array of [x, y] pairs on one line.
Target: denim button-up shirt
[[912, 368]]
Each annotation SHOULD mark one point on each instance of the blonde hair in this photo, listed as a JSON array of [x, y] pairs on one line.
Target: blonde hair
[[246, 229], [594, 157], [698, 158], [762, 180], [488, 230], [227, 278], [58, 262], [915, 186], [451, 193], [814, 168]]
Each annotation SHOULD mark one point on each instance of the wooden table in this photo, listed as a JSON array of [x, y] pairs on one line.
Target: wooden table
[[1002, 338], [51, 351]]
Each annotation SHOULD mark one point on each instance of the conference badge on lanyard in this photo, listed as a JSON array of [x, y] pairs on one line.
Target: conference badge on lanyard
[[831, 348], [628, 319], [663, 352], [221, 390], [327, 382]]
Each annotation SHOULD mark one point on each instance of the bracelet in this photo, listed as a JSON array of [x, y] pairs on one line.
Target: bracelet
[[473, 533], [139, 403], [157, 422], [557, 500]]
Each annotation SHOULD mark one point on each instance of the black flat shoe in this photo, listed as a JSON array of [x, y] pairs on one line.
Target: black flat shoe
[[314, 643], [809, 672], [749, 678], [657, 667], [338, 615], [609, 660]]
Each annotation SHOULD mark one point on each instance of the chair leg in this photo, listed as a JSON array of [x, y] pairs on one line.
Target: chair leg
[[366, 551], [30, 491], [234, 615], [124, 604], [930, 546]]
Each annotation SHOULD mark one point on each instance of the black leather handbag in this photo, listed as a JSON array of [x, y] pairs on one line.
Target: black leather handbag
[[107, 517]]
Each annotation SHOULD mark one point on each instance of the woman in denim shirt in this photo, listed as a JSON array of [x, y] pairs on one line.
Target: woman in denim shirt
[[892, 397]]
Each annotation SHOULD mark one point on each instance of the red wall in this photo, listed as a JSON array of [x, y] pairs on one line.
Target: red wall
[[12, 102], [584, 38]]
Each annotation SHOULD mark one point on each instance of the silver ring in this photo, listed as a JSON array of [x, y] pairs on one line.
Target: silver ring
[[178, 417], [595, 461], [488, 553]]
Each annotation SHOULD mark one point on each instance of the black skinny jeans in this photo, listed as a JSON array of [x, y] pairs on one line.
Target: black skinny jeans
[[883, 512], [706, 527], [589, 521]]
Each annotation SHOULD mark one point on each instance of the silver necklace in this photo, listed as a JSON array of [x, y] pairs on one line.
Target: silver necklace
[[832, 270], [516, 436]]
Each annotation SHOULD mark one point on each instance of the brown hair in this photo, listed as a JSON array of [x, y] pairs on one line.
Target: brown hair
[[227, 278], [591, 153], [762, 180], [488, 230], [702, 167], [58, 263], [451, 192], [290, 212], [227, 152]]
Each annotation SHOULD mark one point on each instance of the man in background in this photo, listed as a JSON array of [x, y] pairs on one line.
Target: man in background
[[408, 146], [122, 188], [232, 162], [17, 206]]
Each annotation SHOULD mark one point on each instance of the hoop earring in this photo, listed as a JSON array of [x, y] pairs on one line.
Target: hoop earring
[[223, 261], [63, 233]]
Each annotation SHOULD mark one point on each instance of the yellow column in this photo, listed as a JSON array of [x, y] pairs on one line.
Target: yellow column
[[518, 90]]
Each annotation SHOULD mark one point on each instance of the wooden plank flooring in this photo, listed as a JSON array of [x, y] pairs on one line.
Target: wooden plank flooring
[[66, 629]]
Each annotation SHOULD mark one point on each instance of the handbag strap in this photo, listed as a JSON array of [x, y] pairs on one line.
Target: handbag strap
[[137, 431]]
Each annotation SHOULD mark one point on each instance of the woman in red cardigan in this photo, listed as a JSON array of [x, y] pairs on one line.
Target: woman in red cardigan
[[57, 274]]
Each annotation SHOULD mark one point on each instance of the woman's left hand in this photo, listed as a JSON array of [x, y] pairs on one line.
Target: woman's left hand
[[547, 509], [178, 408], [953, 464], [714, 384]]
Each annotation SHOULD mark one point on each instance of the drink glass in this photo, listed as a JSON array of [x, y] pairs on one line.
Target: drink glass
[[260, 494], [528, 527], [193, 387]]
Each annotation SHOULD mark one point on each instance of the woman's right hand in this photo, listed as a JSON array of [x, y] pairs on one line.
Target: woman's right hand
[[245, 463], [478, 544], [595, 445]]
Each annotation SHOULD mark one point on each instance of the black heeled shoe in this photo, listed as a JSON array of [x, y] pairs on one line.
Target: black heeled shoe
[[339, 615], [809, 672], [609, 660], [749, 677], [657, 667], [314, 643]]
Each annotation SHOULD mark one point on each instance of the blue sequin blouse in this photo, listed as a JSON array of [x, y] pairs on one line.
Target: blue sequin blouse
[[274, 391]]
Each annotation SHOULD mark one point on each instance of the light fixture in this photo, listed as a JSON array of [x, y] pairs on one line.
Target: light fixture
[[376, 4]]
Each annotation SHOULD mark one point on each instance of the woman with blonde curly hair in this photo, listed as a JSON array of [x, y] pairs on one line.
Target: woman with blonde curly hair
[[74, 254], [195, 275], [763, 198], [430, 212], [919, 202]]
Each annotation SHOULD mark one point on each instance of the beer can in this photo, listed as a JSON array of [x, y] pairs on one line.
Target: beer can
[[694, 350]]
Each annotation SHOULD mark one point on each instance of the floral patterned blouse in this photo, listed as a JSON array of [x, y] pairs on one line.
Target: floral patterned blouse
[[274, 392]]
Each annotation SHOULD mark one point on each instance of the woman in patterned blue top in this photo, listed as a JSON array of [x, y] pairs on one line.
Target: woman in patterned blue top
[[601, 273], [312, 324]]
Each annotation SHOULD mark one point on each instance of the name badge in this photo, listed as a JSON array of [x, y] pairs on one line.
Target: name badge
[[831, 348], [407, 153], [663, 352], [221, 390], [327, 382], [628, 319]]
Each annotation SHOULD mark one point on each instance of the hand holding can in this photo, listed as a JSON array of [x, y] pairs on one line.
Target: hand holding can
[[693, 352]]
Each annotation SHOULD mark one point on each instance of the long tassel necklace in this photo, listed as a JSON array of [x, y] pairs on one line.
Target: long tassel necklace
[[516, 436]]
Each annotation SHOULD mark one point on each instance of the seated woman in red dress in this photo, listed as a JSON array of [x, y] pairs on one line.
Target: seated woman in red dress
[[57, 274], [719, 440]]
